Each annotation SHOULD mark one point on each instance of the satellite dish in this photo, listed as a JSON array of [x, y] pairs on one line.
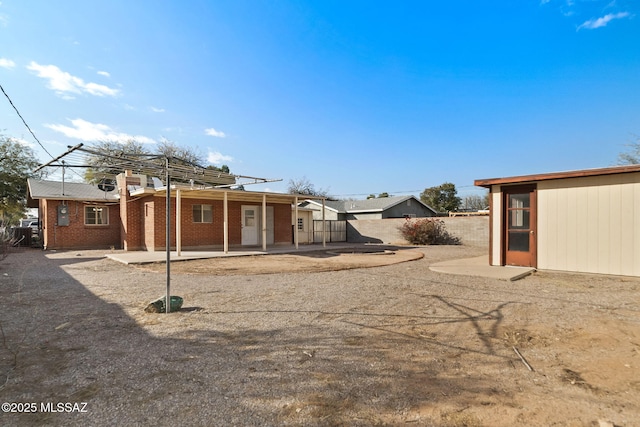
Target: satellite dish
[[107, 185]]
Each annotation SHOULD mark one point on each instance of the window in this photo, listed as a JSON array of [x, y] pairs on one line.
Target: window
[[202, 213], [96, 215], [301, 224], [249, 218]]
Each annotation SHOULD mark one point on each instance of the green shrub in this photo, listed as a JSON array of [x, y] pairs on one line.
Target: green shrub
[[427, 231]]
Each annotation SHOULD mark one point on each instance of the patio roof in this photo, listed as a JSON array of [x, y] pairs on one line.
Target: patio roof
[[219, 194]]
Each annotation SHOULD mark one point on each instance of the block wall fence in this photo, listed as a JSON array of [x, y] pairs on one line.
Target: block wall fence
[[472, 230]]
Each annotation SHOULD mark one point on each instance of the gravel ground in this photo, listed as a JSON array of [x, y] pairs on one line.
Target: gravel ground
[[389, 345]]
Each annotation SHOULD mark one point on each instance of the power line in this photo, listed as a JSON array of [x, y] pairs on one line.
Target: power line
[[25, 123], [464, 188]]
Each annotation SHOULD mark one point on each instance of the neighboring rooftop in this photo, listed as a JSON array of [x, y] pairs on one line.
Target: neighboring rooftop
[[370, 205]]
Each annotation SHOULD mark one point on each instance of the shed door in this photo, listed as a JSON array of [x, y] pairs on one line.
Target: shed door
[[520, 225]]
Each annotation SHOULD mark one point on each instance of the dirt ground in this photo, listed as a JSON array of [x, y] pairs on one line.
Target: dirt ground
[[303, 262], [298, 340]]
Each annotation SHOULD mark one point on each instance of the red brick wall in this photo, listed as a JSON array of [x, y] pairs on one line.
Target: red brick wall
[[131, 230], [143, 225], [283, 232], [206, 234], [77, 235]]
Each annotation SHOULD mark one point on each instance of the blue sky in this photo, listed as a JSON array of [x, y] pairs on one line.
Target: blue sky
[[359, 97]]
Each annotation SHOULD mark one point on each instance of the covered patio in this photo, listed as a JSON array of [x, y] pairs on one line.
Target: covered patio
[[247, 218]]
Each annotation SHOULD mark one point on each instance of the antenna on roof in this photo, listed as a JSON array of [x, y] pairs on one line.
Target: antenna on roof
[[106, 185]]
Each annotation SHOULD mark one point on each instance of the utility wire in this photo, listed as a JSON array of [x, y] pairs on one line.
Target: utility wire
[[25, 123], [401, 192], [29, 128]]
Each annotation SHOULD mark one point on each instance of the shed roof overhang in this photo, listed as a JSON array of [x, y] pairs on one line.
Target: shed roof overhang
[[524, 179]]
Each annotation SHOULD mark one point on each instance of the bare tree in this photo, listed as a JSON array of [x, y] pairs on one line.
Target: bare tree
[[187, 154], [166, 148], [475, 202], [304, 186], [98, 170], [632, 156]]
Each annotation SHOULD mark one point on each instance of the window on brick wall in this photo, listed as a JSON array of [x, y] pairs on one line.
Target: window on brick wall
[[96, 215], [202, 213]]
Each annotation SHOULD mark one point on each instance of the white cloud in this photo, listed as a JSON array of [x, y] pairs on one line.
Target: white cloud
[[157, 110], [592, 24], [64, 84], [104, 73], [7, 63], [87, 131], [216, 158], [216, 133]]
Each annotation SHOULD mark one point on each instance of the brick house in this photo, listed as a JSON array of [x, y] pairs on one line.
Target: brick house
[[132, 216]]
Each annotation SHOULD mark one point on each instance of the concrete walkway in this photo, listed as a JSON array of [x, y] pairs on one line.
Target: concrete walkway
[[479, 266]]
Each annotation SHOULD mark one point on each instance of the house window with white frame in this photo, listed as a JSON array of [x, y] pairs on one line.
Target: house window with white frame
[[96, 215], [202, 213], [301, 224]]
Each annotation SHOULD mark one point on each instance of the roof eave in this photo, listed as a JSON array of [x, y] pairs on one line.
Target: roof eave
[[524, 179], [364, 210]]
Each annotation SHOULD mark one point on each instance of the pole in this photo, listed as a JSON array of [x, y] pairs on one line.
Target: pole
[[168, 237], [178, 222], [63, 177]]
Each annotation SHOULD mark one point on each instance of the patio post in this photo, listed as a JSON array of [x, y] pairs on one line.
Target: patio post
[[225, 210], [295, 223], [264, 222], [324, 225]]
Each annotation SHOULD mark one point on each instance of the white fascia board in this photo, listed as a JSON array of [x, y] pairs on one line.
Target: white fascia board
[[363, 210], [319, 204]]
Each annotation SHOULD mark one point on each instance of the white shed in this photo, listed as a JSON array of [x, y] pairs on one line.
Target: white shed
[[583, 221], [302, 225]]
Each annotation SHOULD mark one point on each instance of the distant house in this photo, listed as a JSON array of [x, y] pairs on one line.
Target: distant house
[[583, 221], [377, 208], [132, 216]]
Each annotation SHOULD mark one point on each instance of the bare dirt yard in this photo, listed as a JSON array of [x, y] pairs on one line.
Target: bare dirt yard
[[301, 341]]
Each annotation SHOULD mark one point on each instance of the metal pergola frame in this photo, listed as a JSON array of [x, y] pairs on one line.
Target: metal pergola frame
[[157, 165]]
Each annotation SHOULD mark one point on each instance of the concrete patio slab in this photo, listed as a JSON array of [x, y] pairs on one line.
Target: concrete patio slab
[[479, 266], [147, 257]]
